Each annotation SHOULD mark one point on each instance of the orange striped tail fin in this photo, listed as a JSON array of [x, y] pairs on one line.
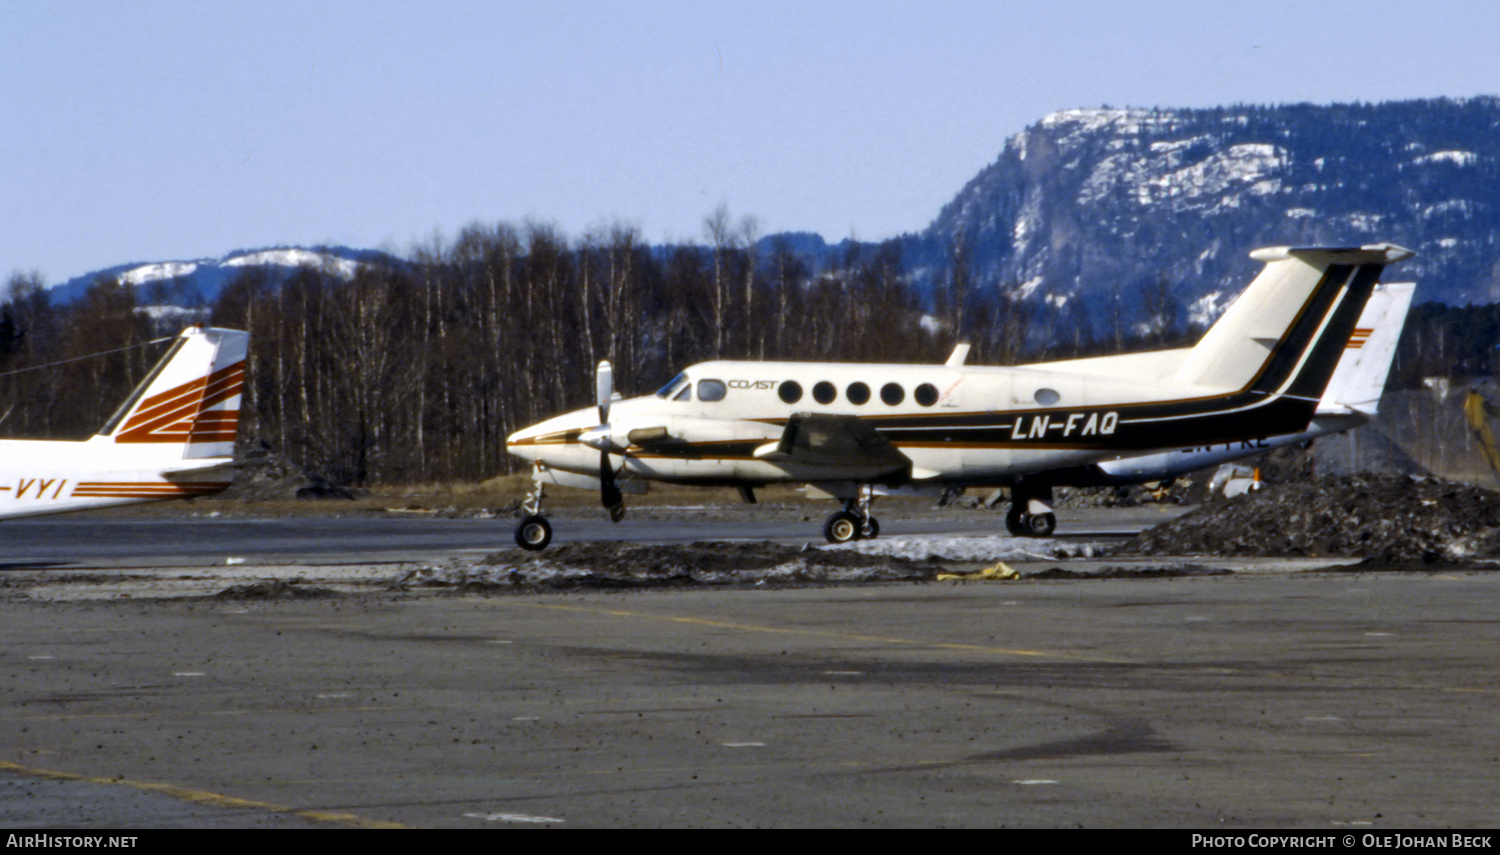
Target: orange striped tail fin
[[191, 398]]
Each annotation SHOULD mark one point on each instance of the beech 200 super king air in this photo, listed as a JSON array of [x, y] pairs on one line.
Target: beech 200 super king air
[[172, 438], [845, 429]]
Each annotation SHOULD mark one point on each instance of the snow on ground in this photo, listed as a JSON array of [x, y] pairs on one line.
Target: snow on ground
[[973, 549]]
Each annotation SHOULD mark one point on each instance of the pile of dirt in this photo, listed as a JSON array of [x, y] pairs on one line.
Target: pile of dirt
[[274, 589], [263, 475], [607, 564], [1394, 519]]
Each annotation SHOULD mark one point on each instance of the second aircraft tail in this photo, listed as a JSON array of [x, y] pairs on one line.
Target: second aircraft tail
[[191, 398]]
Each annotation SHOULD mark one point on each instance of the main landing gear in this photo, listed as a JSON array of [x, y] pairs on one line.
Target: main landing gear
[[854, 521], [533, 532], [1030, 513]]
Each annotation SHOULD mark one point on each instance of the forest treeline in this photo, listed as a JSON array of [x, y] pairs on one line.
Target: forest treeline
[[416, 370]]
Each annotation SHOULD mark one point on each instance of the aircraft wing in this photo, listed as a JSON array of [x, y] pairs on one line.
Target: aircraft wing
[[833, 444]]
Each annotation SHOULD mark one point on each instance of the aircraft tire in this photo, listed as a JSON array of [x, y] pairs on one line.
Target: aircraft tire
[[841, 527], [871, 529], [533, 533], [1041, 525], [1015, 523]]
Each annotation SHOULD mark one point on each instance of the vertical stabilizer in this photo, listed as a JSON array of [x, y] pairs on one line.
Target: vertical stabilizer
[[1286, 332], [191, 398], [1359, 381]]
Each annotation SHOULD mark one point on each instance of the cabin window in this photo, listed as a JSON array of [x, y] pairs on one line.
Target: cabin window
[[1047, 397], [824, 393], [711, 390], [673, 387], [926, 394], [790, 391], [857, 393], [892, 394]]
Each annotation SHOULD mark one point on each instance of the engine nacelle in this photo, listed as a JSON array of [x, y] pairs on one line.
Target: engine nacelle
[[651, 431]]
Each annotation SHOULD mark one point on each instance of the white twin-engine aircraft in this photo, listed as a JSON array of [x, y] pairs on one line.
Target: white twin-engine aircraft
[[172, 438], [1257, 377]]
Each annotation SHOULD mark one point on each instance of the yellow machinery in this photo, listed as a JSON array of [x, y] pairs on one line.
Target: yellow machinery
[[1478, 410]]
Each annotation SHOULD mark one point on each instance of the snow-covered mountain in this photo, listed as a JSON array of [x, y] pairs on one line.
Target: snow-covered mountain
[[186, 282], [1088, 202]]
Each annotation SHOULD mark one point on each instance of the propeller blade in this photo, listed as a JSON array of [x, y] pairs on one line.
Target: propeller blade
[[609, 491], [604, 387]]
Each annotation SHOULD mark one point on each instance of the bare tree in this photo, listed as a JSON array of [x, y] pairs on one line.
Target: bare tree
[[717, 226]]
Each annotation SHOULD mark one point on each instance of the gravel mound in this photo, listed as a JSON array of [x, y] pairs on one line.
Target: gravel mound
[[263, 475], [275, 589], [1396, 519]]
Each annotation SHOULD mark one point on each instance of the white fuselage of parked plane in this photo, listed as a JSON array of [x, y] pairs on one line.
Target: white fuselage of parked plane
[[1037, 414]]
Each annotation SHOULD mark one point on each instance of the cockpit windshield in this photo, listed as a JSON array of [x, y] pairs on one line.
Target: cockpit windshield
[[669, 391]]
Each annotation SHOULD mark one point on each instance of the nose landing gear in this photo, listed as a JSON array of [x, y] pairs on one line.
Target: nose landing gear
[[533, 532]]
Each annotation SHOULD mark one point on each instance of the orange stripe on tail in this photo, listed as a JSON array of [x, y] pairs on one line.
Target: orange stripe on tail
[[178, 415]]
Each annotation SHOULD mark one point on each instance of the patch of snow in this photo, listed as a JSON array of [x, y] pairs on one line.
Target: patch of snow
[[1168, 174], [1074, 127], [1364, 222], [295, 258], [1207, 309], [158, 272], [157, 313], [1457, 158], [1452, 206], [993, 548], [1207, 255], [1174, 146], [1028, 287]]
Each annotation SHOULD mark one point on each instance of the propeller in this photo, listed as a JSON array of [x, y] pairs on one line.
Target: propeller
[[609, 491]]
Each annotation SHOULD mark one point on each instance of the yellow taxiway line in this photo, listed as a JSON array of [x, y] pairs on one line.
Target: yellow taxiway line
[[202, 797]]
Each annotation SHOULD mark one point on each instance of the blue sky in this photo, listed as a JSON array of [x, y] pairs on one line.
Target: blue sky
[[152, 130]]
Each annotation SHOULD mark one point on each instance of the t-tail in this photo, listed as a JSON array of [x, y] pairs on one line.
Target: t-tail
[[1264, 366], [190, 400]]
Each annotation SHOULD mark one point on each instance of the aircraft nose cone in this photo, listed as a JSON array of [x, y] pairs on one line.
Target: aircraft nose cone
[[521, 443]]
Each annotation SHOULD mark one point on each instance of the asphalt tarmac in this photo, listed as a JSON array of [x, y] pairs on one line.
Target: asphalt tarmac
[[121, 540], [1326, 701]]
